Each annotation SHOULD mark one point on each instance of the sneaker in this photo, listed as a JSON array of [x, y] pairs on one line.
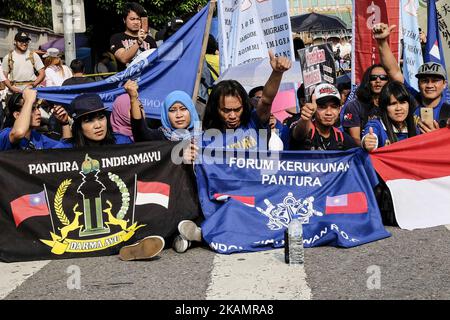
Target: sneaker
[[189, 230], [180, 244], [143, 249]]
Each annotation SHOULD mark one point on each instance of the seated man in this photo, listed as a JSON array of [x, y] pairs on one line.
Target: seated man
[[315, 129], [24, 117]]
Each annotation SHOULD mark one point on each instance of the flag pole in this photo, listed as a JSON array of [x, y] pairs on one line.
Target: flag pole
[[48, 206], [212, 6], [134, 202]]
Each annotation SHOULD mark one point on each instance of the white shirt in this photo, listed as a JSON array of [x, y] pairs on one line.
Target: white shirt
[[54, 76], [2, 75], [23, 69], [346, 49]]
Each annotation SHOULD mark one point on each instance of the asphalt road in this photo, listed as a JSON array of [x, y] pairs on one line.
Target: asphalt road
[[407, 265]]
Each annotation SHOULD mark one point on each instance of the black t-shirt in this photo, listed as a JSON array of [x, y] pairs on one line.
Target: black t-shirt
[[123, 40], [76, 80], [357, 114]]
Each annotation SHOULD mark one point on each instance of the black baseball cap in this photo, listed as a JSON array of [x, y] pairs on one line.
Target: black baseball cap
[[86, 103], [22, 37]]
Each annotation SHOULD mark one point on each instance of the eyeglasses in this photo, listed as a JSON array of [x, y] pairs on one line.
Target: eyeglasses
[[382, 77]]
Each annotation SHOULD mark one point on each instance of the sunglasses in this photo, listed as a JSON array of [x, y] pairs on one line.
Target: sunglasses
[[382, 77]]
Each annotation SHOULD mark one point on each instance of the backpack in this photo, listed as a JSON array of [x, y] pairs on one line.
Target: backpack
[[11, 62], [338, 136]]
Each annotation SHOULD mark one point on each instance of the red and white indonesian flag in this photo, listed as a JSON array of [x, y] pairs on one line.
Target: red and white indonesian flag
[[417, 172], [152, 192]]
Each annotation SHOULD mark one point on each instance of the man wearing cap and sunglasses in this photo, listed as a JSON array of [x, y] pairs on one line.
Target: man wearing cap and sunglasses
[[22, 67], [432, 82]]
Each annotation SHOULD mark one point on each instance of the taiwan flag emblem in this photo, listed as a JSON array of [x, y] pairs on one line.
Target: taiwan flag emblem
[[350, 203], [29, 205]]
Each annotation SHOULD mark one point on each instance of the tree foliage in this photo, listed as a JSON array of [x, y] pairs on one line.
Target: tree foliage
[[34, 12], [38, 12], [159, 11]]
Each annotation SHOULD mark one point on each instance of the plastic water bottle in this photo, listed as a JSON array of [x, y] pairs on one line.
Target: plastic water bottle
[[293, 246], [275, 142]]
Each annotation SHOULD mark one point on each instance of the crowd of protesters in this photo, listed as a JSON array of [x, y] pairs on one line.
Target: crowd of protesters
[[384, 110]]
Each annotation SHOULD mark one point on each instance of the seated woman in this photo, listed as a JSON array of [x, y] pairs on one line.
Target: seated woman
[[120, 116], [365, 107], [91, 126], [24, 118], [396, 122], [179, 119]]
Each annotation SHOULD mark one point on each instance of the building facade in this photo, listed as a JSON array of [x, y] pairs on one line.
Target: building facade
[[339, 8], [9, 28]]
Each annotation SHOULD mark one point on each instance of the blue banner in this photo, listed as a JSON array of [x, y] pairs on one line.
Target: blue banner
[[249, 200], [412, 50], [173, 66], [433, 48]]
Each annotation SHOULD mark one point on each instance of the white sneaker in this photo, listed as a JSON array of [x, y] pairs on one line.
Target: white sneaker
[[189, 230], [180, 244]]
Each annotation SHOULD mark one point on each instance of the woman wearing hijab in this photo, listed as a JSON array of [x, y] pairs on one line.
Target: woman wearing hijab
[[179, 121], [120, 116]]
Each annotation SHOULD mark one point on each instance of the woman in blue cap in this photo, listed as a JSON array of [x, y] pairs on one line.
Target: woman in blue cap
[[91, 126]]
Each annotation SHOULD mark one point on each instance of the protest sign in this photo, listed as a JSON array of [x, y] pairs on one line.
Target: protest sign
[[317, 65]]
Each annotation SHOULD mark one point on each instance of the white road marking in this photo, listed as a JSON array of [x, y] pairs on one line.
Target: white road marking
[[14, 274], [257, 276]]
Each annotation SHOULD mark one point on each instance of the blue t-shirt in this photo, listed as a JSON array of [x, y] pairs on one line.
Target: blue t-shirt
[[380, 130], [37, 141], [245, 137], [120, 139], [436, 110]]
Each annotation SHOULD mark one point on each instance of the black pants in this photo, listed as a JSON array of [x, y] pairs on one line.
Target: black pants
[[384, 199]]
